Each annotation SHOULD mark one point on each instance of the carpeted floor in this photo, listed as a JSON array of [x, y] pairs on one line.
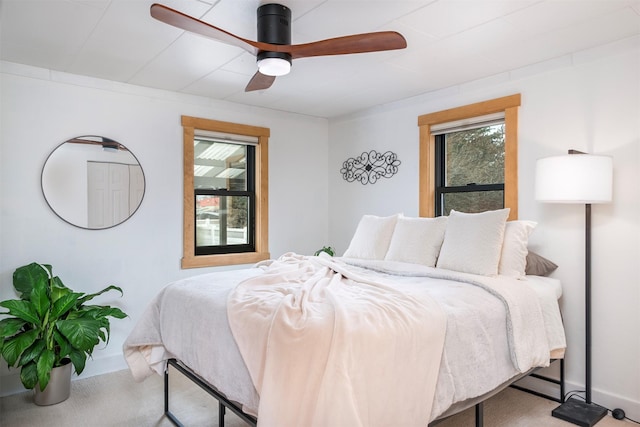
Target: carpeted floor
[[116, 400]]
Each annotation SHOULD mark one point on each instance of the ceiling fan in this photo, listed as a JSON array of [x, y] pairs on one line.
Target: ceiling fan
[[273, 49]]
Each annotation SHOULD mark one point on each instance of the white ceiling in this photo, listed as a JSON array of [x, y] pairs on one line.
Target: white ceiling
[[449, 42]]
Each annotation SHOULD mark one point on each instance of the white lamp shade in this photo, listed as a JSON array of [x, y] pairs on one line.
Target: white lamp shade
[[574, 178]]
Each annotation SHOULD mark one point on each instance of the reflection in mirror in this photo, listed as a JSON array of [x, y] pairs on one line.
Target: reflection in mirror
[[93, 182]]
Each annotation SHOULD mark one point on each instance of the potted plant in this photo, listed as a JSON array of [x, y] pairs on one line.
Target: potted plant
[[327, 249], [49, 327]]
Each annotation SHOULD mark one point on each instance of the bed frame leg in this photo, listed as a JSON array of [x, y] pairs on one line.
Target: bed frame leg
[[221, 411], [562, 380], [479, 414], [166, 390], [167, 412]]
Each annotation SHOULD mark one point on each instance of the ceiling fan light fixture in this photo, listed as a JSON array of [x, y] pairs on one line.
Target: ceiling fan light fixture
[[273, 48], [274, 66]]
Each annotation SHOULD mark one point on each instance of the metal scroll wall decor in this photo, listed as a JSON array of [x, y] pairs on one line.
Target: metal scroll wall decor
[[370, 166]]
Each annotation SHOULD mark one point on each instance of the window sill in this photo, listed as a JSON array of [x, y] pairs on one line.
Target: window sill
[[223, 259]]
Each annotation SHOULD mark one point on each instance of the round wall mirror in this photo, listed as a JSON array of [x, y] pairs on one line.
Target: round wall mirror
[[93, 182]]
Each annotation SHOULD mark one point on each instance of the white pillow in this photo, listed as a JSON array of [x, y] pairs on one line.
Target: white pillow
[[372, 237], [417, 240], [473, 242], [513, 260]]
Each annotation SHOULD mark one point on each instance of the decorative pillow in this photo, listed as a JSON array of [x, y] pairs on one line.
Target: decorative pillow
[[514, 248], [417, 240], [372, 237], [538, 265], [473, 242]]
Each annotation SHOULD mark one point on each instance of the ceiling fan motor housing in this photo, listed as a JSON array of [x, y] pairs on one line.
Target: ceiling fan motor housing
[[274, 27]]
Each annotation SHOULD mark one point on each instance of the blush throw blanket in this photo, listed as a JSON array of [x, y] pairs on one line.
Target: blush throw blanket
[[327, 347]]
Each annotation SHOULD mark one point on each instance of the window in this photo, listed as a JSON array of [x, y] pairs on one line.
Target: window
[[224, 189], [225, 193], [469, 168], [469, 158]]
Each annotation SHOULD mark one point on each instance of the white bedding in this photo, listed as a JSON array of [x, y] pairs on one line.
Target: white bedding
[[188, 320]]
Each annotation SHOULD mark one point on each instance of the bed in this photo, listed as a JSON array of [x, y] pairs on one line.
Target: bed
[[389, 334]]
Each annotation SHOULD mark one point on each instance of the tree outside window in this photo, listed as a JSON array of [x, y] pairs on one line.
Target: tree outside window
[[470, 170]]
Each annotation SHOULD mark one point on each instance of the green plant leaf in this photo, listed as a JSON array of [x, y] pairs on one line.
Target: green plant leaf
[[104, 325], [22, 309], [32, 353], [63, 344], [39, 298], [58, 289], [10, 326], [115, 312], [44, 365], [82, 333], [89, 311], [89, 297], [29, 375], [78, 358], [64, 304], [27, 276], [13, 347], [102, 311]]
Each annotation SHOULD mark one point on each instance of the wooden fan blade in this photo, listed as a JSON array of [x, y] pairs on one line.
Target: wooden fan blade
[[357, 43], [259, 81], [185, 22]]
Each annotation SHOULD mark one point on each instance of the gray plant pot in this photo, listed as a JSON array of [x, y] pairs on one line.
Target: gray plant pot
[[58, 389]]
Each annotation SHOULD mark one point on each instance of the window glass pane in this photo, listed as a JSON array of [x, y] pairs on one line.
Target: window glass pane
[[222, 220], [473, 202], [475, 156], [219, 165]]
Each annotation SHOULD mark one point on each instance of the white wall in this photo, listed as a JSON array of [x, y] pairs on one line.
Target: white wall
[[40, 109], [588, 101]]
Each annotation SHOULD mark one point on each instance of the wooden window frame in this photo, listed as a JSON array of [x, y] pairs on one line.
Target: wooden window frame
[[189, 259], [509, 105]]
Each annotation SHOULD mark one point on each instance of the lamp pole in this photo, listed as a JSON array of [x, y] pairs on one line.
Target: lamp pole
[[587, 297]]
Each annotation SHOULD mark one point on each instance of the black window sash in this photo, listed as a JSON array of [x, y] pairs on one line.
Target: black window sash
[[440, 174], [221, 249], [250, 193]]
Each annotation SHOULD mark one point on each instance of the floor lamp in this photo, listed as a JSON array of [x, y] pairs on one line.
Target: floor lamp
[[585, 179]]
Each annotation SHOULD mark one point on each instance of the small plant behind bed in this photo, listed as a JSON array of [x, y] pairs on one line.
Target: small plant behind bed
[[50, 324], [327, 249]]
